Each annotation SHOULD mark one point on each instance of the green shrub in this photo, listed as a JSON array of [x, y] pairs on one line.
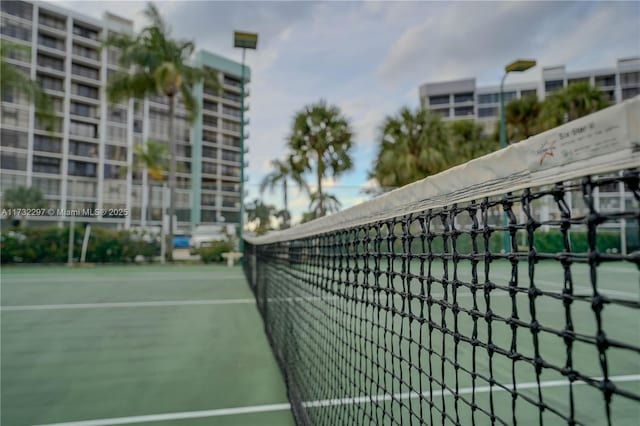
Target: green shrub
[[213, 253], [51, 244]]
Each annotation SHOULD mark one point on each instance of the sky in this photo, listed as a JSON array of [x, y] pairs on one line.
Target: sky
[[369, 58]]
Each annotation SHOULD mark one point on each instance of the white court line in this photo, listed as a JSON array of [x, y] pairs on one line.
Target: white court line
[[164, 303], [128, 304], [320, 403], [91, 279], [559, 285]]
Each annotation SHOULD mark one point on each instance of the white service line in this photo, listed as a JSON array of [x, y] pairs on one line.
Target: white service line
[[320, 403], [128, 304], [91, 279]]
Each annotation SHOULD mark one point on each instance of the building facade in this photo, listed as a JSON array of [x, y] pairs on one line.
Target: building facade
[[463, 99], [86, 159]]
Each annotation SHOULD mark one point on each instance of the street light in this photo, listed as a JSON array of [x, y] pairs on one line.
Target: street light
[[244, 41], [519, 65]]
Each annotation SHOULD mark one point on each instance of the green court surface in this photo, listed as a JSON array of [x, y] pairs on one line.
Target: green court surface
[[111, 342]]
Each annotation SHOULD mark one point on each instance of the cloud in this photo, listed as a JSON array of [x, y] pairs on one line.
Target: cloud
[[476, 39]]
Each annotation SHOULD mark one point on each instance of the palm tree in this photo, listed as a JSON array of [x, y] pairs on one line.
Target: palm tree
[[321, 142], [468, 141], [152, 158], [282, 171], [156, 64], [574, 101], [15, 80], [412, 145], [521, 116], [323, 202], [23, 198], [261, 213]]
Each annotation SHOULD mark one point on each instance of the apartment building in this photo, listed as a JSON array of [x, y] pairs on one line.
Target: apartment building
[[86, 159], [463, 99]]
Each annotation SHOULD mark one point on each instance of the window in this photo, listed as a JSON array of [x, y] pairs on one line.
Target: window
[[489, 98], [47, 186], [118, 115], [210, 106], [230, 156], [47, 144], [230, 202], [85, 52], [15, 117], [630, 93], [438, 100], [87, 72], [443, 112], [113, 56], [83, 129], [232, 81], [605, 80], [13, 160], [83, 149], [209, 136], [463, 111], [50, 62], [209, 168], [17, 8], [85, 32], [230, 171], [577, 80], [113, 152], [627, 78], [85, 91], [46, 165], [51, 83], [232, 97], [55, 126], [84, 110], [209, 121], [14, 139], [184, 167], [116, 134], [183, 150], [508, 96], [532, 92], [463, 97], [52, 21], [81, 189], [553, 85], [229, 187], [231, 141], [22, 55], [235, 112], [208, 200], [487, 112], [81, 168], [50, 42], [15, 29], [208, 152], [231, 126], [113, 171]]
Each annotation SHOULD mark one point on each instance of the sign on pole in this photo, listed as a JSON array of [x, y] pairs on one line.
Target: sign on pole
[[245, 40]]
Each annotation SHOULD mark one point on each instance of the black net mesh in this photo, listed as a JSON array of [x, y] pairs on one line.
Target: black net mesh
[[426, 319]]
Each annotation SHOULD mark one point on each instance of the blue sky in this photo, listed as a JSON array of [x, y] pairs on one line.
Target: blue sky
[[369, 58]]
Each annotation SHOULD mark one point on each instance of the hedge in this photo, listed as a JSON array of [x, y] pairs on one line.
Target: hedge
[[51, 245]]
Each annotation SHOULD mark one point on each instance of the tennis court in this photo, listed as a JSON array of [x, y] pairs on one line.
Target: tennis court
[[123, 342]]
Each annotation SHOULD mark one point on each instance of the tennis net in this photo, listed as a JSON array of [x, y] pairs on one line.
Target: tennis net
[[511, 296]]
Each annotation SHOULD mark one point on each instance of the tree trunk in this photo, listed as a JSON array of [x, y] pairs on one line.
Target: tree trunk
[[286, 203], [149, 210], [172, 178], [320, 200]]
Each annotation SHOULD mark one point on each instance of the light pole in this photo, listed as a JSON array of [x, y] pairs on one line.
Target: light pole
[[244, 41], [519, 65]]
